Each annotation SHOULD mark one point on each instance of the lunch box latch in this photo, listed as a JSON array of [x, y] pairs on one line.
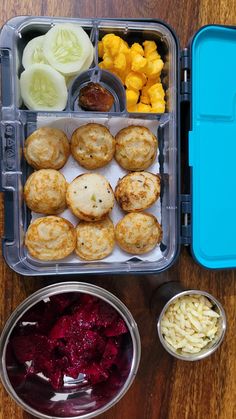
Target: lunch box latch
[[9, 173], [185, 75], [186, 210], [9, 161]]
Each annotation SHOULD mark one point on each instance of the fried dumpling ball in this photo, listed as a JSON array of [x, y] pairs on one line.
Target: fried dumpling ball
[[90, 197], [45, 192], [92, 145], [138, 233], [47, 148], [137, 191], [95, 240], [136, 148], [50, 238]]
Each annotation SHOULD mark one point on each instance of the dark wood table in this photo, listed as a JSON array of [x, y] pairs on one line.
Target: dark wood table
[[164, 388]]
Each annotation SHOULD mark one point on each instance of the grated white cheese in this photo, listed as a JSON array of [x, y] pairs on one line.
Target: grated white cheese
[[189, 324]]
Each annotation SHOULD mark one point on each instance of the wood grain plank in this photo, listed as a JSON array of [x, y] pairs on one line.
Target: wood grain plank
[[164, 388], [222, 12]]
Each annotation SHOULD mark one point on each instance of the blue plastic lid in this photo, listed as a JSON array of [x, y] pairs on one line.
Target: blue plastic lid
[[212, 147]]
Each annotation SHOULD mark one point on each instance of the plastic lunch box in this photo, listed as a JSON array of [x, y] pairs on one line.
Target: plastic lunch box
[[200, 92]]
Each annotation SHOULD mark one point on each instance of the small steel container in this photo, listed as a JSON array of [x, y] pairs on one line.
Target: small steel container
[[168, 293], [81, 402]]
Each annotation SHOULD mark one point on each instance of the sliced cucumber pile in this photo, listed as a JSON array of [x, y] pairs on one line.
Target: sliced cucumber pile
[[50, 61]]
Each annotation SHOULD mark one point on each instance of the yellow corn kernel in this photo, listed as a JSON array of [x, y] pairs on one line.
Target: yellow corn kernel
[[150, 83], [158, 107], [111, 44], [120, 74], [106, 40], [107, 61], [149, 47], [156, 93], [144, 98], [154, 68], [132, 108], [128, 66], [154, 79], [100, 49], [131, 97], [142, 107], [153, 56], [136, 47], [156, 98], [156, 88], [124, 42], [120, 62], [145, 89], [115, 46], [133, 54], [124, 48], [135, 80], [138, 62]]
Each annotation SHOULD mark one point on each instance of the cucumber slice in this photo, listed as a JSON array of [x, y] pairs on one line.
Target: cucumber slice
[[67, 47], [33, 52], [85, 67], [43, 88], [89, 59]]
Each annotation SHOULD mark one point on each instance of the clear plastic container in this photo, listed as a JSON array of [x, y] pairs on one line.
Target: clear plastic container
[[17, 123]]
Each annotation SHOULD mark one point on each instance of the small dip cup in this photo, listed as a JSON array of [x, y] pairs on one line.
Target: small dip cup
[[173, 291]]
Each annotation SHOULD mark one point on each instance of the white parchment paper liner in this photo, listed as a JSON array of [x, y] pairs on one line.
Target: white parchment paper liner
[[112, 172]]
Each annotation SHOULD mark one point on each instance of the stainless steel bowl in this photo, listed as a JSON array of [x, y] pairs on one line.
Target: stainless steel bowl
[[83, 404], [209, 349]]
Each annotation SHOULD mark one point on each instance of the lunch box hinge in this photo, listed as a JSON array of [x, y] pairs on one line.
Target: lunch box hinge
[[185, 75], [186, 210]]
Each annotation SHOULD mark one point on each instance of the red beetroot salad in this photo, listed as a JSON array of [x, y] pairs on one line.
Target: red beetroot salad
[[70, 335]]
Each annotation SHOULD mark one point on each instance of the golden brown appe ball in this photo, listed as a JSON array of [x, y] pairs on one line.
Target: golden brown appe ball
[[92, 145], [95, 240], [90, 197], [47, 148], [137, 191], [50, 238], [138, 232], [136, 148], [45, 191]]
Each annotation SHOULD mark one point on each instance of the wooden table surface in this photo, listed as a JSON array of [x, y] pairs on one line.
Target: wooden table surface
[[164, 388]]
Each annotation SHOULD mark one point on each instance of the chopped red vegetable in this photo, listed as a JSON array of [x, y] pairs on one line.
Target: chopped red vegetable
[[69, 337]]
